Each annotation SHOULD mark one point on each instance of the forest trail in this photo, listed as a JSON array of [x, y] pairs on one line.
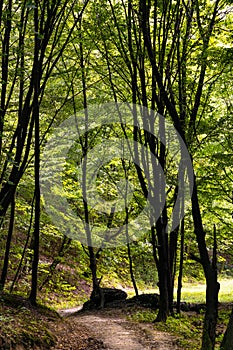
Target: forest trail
[[114, 332]]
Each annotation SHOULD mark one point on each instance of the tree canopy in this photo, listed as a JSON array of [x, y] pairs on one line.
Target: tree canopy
[[116, 133]]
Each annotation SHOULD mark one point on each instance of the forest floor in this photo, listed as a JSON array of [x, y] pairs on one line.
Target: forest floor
[[127, 326], [109, 329]]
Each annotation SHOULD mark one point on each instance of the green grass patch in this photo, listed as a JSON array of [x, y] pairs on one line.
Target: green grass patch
[[62, 301], [186, 327], [226, 290], [194, 292]]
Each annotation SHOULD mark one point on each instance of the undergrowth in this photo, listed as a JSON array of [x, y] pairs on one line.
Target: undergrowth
[[186, 327], [23, 324]]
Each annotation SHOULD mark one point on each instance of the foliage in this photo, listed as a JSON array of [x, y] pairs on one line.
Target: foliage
[[187, 327], [104, 56]]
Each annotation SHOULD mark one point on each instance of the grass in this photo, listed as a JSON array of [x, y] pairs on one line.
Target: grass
[[187, 327], [20, 321], [191, 293], [65, 301], [194, 292], [23, 324]]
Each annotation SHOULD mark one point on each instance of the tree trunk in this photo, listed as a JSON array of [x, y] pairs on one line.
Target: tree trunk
[[92, 256], [172, 267], [162, 273], [8, 244], [211, 315], [228, 336], [131, 270], [35, 115], [212, 285], [24, 249], [179, 287]]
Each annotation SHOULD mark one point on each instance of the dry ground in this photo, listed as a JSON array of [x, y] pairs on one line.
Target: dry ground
[[109, 329]]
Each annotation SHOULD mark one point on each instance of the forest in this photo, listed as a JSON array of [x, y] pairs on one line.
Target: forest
[[116, 180]]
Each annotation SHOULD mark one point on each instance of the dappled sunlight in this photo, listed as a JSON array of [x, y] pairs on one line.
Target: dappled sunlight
[[195, 292]]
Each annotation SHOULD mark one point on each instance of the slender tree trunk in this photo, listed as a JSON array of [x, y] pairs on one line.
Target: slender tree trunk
[[212, 285], [129, 250], [5, 34], [162, 273], [24, 249], [161, 225], [36, 238], [228, 336], [154, 245], [131, 270], [92, 256], [172, 267], [8, 245], [180, 276], [125, 194]]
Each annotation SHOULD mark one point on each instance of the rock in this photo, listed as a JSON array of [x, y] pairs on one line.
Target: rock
[[190, 307], [183, 306], [146, 300], [197, 307], [103, 297], [89, 305]]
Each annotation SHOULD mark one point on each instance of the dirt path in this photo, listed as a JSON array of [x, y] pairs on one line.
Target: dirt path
[[117, 334], [114, 332]]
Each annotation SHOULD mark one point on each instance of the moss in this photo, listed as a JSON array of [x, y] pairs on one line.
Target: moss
[[186, 328], [24, 324]]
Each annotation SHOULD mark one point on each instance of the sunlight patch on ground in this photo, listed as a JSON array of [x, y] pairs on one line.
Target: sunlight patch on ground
[[195, 292]]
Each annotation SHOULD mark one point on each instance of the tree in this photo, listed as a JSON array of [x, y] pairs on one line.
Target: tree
[[165, 40], [25, 78]]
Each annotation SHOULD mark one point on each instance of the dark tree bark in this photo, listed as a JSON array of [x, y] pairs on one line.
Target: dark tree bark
[[127, 233], [228, 336], [208, 340], [172, 266], [180, 276], [8, 245], [36, 234], [17, 274], [5, 63], [131, 269], [158, 54], [212, 285], [162, 273], [91, 251]]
